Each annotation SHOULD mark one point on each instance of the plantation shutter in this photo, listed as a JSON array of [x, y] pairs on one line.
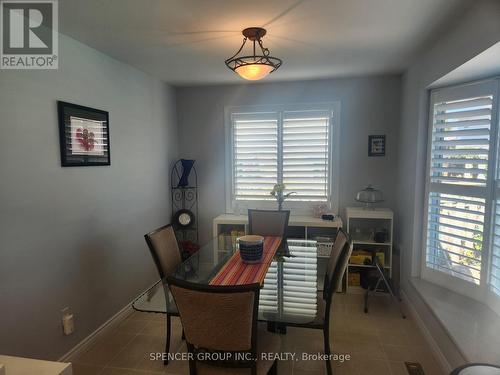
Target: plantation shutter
[[495, 256], [460, 150], [494, 279], [306, 145], [455, 235], [255, 155], [460, 141]]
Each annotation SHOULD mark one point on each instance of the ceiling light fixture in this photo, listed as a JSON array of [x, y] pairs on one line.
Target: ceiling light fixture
[[256, 66]]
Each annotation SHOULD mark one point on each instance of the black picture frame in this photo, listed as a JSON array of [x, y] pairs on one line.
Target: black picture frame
[[83, 135], [376, 145]]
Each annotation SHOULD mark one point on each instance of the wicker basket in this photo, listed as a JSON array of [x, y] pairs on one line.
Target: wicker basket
[[324, 248]]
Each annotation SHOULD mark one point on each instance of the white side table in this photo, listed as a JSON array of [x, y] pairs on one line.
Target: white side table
[[28, 366]]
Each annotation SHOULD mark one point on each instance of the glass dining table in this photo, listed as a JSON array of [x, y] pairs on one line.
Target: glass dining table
[[288, 295]]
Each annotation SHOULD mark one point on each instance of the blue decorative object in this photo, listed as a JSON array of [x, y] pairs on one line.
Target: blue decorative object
[[187, 165], [251, 248]]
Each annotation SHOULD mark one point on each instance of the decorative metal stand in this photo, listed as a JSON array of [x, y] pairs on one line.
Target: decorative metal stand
[[184, 198]]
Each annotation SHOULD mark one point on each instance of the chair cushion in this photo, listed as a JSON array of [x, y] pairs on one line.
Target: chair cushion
[[267, 343], [166, 249]]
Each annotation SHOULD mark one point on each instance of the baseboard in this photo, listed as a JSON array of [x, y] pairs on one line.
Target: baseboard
[[87, 341], [443, 362]]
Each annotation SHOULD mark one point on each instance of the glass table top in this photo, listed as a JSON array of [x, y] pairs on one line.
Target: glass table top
[[289, 293]]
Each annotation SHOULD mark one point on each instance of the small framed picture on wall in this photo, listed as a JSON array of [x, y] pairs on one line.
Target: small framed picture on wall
[[376, 145], [83, 135]]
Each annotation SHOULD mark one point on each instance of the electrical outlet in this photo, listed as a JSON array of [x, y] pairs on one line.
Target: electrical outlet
[[68, 322]]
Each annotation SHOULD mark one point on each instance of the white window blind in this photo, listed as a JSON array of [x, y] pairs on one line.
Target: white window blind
[[459, 156], [255, 155], [495, 253], [455, 235], [293, 147], [463, 143], [495, 257], [306, 144], [460, 141]]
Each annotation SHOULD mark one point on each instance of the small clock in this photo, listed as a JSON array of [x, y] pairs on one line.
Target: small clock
[[184, 218]]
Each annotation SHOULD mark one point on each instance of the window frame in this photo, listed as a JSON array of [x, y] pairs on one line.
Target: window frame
[[482, 291], [234, 207]]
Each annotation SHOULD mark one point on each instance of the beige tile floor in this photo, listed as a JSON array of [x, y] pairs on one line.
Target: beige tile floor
[[378, 343]]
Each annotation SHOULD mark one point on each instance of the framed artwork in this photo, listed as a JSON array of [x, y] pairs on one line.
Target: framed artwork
[[83, 135], [376, 145]]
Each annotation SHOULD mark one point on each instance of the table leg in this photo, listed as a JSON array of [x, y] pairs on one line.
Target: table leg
[[276, 327], [271, 327]]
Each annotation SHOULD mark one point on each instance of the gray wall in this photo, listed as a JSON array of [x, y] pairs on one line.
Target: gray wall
[[74, 236], [473, 32], [369, 105]]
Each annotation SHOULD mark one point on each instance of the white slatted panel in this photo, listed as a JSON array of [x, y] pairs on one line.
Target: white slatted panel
[[463, 191], [455, 235], [460, 141], [495, 257], [306, 138], [494, 277], [300, 279], [255, 156], [459, 152], [494, 271]]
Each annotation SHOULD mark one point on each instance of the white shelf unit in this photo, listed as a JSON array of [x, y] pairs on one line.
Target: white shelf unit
[[306, 226], [370, 220]]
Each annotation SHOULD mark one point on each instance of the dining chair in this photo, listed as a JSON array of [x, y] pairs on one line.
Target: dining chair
[[222, 321], [167, 257], [337, 264], [269, 223]]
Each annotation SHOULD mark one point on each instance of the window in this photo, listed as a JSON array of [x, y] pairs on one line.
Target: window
[[293, 145], [462, 190]]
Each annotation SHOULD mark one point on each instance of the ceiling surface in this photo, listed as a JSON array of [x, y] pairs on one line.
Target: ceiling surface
[[185, 42]]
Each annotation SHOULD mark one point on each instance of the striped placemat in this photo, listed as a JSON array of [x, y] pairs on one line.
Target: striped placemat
[[236, 272]]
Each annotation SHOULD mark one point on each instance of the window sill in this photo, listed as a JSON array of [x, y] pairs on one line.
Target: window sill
[[471, 325]]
